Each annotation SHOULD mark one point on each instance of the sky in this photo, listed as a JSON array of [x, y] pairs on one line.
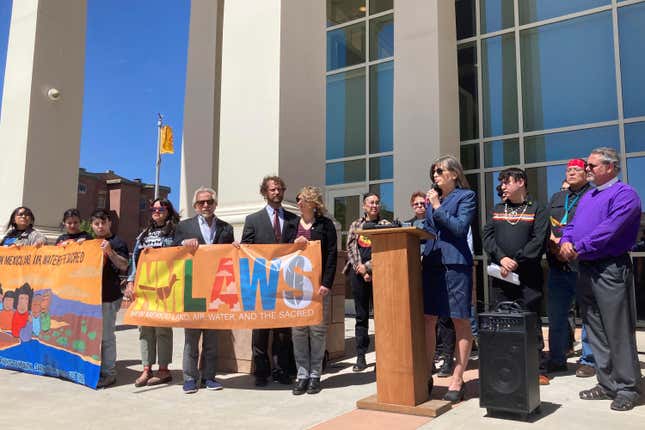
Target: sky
[[135, 67]]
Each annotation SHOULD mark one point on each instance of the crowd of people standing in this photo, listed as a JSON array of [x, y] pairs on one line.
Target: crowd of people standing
[[586, 232]]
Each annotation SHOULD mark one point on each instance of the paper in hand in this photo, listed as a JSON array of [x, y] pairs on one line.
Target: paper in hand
[[495, 271]]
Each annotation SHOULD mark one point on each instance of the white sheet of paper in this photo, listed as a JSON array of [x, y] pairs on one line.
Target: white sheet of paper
[[496, 271]]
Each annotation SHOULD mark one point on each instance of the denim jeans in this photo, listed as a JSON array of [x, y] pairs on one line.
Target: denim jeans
[[108, 341], [153, 341], [309, 344], [562, 291], [587, 355]]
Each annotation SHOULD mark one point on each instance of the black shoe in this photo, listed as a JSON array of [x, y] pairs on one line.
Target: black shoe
[[275, 374], [360, 364], [261, 381], [446, 368], [314, 386], [455, 396], [552, 367], [301, 386]]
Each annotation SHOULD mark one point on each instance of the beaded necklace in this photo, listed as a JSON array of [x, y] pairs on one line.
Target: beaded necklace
[[513, 216]]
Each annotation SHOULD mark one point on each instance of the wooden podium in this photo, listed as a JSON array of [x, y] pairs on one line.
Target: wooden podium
[[402, 369]]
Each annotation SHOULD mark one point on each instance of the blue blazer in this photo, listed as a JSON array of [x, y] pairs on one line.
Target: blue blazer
[[450, 223]]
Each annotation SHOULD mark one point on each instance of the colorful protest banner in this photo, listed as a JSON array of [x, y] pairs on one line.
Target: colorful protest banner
[[50, 317], [223, 287]]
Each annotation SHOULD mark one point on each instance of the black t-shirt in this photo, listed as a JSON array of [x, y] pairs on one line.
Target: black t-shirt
[[111, 282], [74, 236]]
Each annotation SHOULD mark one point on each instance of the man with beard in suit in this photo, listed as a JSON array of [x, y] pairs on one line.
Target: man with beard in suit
[[271, 224]]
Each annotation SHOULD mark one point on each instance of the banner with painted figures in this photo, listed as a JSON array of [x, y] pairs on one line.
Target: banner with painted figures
[[50, 312], [223, 287]]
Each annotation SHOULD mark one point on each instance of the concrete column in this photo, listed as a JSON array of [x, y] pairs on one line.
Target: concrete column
[[273, 101], [426, 96], [200, 146], [41, 134]]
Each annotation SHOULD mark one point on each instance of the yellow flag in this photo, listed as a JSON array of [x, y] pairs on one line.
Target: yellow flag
[[167, 146]]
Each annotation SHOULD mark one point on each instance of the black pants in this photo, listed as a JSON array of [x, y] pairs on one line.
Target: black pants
[[362, 292], [528, 294], [445, 337], [606, 297], [281, 346]]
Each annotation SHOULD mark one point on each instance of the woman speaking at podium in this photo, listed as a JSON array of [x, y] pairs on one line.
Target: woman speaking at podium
[[448, 262]]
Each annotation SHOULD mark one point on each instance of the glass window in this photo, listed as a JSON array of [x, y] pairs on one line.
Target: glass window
[[500, 153], [465, 16], [639, 280], [5, 19], [381, 168], [537, 10], [543, 182], [635, 137], [499, 81], [491, 197], [571, 144], [496, 15], [631, 26], [377, 6], [381, 107], [345, 172], [386, 192], [382, 37], [346, 210], [468, 103], [469, 156], [345, 128], [473, 181], [635, 177], [340, 11], [568, 73], [346, 46]]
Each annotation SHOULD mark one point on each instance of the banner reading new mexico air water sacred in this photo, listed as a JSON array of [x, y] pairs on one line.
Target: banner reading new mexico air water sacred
[[50, 317], [223, 287]]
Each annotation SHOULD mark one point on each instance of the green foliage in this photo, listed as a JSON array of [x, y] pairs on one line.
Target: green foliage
[[83, 326], [96, 357], [91, 335], [68, 332], [62, 341], [86, 226], [55, 334], [78, 345]]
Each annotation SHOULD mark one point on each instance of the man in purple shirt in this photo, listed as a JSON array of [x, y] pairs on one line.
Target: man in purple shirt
[[600, 236]]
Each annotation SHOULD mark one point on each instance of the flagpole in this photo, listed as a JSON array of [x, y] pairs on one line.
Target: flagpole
[[158, 166]]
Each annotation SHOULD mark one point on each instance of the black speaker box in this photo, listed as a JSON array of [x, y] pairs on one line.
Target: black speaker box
[[508, 362]]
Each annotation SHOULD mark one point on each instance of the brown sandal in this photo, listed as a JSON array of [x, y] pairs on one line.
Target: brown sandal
[[595, 393], [143, 379], [163, 377]]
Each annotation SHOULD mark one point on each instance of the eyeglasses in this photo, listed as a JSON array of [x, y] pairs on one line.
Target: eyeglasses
[[209, 202], [419, 204], [591, 166], [575, 169], [438, 171], [160, 209], [299, 199], [373, 203]]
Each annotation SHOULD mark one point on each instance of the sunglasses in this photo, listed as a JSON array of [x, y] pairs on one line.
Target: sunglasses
[[591, 166], [209, 202], [160, 209], [439, 171], [419, 204], [23, 214]]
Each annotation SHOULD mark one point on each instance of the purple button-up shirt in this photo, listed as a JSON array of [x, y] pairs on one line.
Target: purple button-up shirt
[[606, 222]]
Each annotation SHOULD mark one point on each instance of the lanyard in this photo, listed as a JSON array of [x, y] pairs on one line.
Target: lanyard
[[567, 208]]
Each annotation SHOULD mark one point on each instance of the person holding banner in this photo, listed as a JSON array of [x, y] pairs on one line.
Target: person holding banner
[[21, 230], [271, 224], [202, 229], [447, 264], [115, 262], [154, 340], [73, 232], [309, 342]]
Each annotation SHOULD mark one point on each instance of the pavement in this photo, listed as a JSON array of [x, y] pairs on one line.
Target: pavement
[[36, 402]]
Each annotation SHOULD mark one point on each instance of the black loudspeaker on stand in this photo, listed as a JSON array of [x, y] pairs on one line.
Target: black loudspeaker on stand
[[508, 361]]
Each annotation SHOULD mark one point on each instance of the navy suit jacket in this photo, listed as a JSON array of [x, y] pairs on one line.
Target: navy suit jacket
[[189, 229], [450, 223], [258, 228]]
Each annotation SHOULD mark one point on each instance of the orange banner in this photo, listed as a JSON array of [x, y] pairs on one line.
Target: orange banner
[[50, 310], [223, 287]]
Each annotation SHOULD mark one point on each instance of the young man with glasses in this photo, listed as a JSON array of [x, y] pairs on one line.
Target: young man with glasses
[[602, 233], [202, 229], [359, 270], [272, 224]]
